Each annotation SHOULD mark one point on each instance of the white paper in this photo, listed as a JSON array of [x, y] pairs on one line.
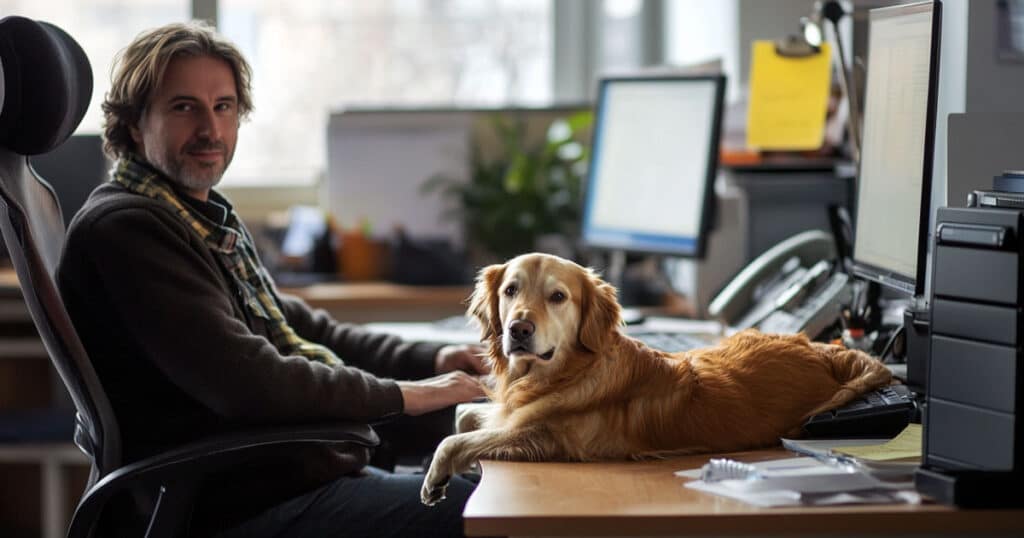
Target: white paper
[[805, 481], [793, 498], [823, 447], [782, 465]]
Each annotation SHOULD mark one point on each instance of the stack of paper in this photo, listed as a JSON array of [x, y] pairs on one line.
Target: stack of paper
[[806, 481], [850, 471], [904, 447], [901, 454]]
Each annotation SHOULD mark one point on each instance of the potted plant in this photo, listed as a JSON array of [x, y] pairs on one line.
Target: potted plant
[[524, 193]]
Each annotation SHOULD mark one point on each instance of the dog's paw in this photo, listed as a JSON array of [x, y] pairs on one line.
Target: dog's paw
[[433, 490], [449, 459], [472, 416]]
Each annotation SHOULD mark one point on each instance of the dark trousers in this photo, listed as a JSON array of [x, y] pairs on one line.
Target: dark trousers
[[373, 504], [410, 441]]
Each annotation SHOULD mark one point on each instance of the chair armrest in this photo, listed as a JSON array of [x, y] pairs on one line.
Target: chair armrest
[[186, 465]]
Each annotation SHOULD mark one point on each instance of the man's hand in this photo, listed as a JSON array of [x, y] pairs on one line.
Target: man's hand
[[438, 392], [461, 357]]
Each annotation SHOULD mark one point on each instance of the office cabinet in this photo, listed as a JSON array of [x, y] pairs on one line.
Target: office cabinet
[[974, 373], [972, 445], [989, 323]]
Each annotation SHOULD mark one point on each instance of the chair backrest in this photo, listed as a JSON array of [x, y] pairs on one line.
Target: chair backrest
[[45, 87]]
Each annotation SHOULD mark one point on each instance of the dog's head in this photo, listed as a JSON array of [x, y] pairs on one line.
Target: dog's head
[[538, 311]]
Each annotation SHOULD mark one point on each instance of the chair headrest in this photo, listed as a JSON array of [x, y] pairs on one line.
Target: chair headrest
[[45, 85]]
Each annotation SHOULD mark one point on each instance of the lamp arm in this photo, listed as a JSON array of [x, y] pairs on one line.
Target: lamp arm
[[849, 88]]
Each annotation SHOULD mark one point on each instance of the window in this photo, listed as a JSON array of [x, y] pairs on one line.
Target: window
[[312, 57], [102, 28], [713, 34], [621, 35]]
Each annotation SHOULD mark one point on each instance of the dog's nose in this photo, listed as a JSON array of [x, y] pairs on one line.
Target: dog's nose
[[521, 329]]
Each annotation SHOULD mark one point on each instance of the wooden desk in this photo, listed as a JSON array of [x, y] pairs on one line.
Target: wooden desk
[[646, 498], [362, 302], [8, 278]]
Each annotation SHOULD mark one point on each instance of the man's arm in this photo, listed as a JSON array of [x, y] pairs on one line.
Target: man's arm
[[381, 354], [171, 300]]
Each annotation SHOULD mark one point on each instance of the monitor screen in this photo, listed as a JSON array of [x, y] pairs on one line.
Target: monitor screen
[[653, 164], [894, 180]]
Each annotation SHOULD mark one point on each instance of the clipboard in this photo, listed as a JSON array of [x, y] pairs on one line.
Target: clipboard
[[788, 98]]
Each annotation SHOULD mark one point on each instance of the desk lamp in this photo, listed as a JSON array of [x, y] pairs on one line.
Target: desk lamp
[[814, 34]]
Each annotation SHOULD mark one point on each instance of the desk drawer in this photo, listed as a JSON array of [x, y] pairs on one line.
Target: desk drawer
[[976, 274], [969, 436], [973, 373], [997, 324]]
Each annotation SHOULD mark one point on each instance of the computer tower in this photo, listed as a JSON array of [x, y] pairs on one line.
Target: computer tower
[[972, 439]]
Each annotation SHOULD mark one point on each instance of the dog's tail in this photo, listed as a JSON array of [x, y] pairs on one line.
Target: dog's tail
[[855, 371]]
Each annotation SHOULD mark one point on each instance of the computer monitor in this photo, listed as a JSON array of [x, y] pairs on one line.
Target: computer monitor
[[895, 175], [653, 164]]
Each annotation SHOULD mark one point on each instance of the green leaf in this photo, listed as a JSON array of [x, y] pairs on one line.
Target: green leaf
[[581, 121], [511, 199]]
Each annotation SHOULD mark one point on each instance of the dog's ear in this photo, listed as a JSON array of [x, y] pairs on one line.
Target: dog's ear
[[483, 304], [600, 313]]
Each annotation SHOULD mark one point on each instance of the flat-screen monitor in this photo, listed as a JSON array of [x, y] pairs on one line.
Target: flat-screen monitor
[[895, 175], [653, 164]]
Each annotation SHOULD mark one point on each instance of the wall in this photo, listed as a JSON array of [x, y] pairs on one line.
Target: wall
[[697, 31], [954, 72], [255, 204], [992, 85], [767, 20]]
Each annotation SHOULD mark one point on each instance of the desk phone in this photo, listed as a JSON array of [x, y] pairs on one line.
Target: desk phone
[[792, 287]]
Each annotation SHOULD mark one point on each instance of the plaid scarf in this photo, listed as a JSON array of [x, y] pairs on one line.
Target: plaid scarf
[[233, 245]]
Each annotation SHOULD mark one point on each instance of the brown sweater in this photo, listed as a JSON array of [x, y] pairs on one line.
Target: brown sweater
[[181, 359]]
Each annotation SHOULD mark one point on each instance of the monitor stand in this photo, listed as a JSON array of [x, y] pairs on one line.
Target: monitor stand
[[641, 281], [725, 255], [695, 280], [616, 269], [614, 274]]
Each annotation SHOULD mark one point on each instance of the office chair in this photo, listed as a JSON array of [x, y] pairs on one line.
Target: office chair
[[45, 90]]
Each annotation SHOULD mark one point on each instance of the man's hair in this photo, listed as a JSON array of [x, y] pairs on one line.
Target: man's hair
[[139, 70]]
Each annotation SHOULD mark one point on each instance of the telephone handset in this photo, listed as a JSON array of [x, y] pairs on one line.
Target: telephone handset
[[791, 287]]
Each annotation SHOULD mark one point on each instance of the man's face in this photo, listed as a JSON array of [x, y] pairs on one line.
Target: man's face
[[190, 125]]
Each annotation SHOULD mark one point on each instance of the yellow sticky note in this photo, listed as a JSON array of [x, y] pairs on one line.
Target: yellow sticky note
[[788, 99], [905, 445]]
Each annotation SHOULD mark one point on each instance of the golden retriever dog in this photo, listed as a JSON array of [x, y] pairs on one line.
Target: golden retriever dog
[[570, 386]]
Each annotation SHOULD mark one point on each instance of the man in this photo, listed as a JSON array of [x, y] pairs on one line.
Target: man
[[189, 336]]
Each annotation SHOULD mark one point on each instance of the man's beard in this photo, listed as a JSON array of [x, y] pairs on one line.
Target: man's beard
[[191, 176]]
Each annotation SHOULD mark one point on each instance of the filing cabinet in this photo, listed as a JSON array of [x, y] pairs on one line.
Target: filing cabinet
[[972, 444]]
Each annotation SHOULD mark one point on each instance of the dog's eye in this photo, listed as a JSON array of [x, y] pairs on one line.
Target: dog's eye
[[511, 290], [557, 297]]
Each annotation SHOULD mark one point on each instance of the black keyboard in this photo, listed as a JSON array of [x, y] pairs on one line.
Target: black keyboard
[[880, 413], [670, 341]]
